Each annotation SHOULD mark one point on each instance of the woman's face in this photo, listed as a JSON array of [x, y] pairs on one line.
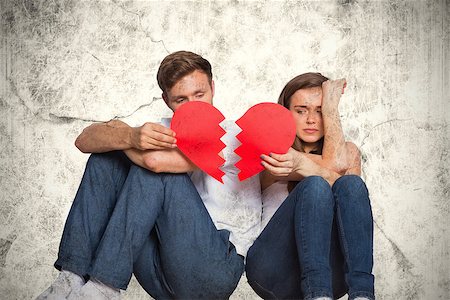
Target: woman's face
[[306, 107]]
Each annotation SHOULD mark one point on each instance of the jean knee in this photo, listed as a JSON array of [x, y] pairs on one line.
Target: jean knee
[[314, 189], [259, 268], [108, 161], [350, 184]]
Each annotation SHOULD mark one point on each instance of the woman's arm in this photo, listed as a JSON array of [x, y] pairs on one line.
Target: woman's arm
[[334, 152], [295, 165]]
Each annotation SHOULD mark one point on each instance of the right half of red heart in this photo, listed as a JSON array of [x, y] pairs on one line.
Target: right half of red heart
[[266, 128]]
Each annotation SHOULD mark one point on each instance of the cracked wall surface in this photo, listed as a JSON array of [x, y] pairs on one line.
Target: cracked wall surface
[[66, 64]]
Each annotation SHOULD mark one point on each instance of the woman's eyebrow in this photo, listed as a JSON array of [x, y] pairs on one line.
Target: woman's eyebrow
[[305, 106]]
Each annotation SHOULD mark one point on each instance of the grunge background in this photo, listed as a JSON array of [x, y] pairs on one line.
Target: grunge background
[[67, 63]]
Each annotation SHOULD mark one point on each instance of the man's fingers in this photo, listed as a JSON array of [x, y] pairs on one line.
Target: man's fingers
[[163, 138], [158, 143], [164, 130]]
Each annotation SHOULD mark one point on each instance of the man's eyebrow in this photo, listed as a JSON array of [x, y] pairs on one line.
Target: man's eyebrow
[[195, 92]]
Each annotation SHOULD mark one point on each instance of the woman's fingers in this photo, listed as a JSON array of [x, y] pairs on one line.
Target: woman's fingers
[[281, 157], [277, 171], [276, 160]]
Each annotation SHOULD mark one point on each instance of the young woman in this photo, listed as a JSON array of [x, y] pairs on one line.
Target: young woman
[[318, 227]]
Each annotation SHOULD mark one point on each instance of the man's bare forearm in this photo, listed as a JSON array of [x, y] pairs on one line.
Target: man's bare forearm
[[161, 161], [104, 137]]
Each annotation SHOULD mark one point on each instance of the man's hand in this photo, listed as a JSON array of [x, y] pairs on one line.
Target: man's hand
[[117, 135], [332, 91], [152, 136]]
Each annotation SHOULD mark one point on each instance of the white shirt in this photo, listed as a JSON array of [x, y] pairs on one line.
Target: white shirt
[[234, 205]]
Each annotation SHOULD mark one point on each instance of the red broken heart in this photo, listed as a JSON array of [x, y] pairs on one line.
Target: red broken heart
[[266, 128]]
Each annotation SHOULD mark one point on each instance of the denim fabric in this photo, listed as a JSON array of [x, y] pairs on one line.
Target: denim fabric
[[126, 219], [317, 237]]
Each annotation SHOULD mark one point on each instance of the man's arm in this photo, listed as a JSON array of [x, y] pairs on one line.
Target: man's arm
[[117, 135], [161, 161]]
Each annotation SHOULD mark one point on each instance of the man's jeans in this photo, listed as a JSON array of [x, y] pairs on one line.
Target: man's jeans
[[126, 219], [317, 237]]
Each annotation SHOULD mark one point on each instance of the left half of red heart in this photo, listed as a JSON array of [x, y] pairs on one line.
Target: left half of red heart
[[198, 134]]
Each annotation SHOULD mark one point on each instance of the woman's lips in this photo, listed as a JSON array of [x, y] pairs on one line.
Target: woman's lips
[[310, 131]]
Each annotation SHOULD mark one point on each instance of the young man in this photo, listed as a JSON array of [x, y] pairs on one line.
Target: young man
[[137, 211]]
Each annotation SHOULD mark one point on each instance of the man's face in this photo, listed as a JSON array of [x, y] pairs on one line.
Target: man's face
[[192, 87]]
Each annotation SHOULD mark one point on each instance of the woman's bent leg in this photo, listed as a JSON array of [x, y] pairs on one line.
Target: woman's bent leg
[[94, 202], [273, 266], [313, 223], [355, 223]]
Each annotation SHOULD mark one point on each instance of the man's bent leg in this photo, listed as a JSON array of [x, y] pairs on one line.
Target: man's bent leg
[[195, 257], [138, 205], [148, 271], [94, 202], [197, 260]]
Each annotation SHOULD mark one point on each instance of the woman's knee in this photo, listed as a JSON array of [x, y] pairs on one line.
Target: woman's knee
[[350, 185], [314, 189], [259, 268]]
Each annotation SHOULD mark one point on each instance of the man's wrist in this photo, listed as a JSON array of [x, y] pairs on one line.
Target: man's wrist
[[129, 134]]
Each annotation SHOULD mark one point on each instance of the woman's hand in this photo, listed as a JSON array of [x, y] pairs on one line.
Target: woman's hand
[[295, 165], [282, 165]]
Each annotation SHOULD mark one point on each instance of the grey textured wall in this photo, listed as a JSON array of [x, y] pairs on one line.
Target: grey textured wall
[[66, 63]]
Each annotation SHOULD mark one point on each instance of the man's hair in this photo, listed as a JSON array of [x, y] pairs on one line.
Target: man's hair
[[179, 64]]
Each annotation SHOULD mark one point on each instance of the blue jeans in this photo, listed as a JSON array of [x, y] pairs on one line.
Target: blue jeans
[[319, 243], [126, 219]]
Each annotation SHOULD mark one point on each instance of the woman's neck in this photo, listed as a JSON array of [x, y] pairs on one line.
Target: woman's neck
[[308, 147]]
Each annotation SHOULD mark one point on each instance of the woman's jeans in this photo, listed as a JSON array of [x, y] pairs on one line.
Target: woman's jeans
[[126, 219], [319, 243]]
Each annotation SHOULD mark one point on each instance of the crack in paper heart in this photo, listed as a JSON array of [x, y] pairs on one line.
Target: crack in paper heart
[[266, 128]]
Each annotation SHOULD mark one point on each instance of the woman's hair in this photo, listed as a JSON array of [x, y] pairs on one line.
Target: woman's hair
[[303, 81], [179, 64]]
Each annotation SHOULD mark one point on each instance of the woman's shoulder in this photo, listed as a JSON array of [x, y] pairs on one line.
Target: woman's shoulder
[[352, 150]]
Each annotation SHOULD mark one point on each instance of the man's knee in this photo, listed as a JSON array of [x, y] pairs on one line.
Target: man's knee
[[108, 160]]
